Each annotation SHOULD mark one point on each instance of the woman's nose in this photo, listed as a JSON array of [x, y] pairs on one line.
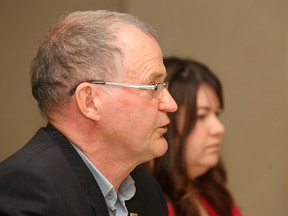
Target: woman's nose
[[217, 126]]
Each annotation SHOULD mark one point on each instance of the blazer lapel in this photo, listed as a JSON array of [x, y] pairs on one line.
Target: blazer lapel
[[82, 172], [133, 207]]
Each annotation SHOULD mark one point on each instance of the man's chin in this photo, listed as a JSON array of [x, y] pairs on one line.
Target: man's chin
[[161, 147]]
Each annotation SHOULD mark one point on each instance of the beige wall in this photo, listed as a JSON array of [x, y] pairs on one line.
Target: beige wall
[[285, 149], [244, 42]]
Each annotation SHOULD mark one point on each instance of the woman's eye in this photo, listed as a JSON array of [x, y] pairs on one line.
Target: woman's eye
[[218, 114], [201, 117]]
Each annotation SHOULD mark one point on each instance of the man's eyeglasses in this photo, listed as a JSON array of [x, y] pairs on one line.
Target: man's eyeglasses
[[157, 88]]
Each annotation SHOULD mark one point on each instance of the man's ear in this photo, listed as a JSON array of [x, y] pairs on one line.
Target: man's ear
[[88, 101]]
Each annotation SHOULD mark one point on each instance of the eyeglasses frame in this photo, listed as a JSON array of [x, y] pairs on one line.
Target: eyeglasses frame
[[152, 87]]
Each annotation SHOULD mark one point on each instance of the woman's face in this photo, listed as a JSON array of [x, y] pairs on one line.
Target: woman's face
[[203, 143]]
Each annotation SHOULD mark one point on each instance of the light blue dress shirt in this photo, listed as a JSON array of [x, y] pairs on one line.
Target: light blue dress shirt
[[115, 202]]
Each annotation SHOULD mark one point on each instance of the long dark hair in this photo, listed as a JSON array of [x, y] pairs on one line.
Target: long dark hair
[[185, 77]]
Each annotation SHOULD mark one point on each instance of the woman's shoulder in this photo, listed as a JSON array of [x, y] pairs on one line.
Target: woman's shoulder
[[236, 211], [170, 209]]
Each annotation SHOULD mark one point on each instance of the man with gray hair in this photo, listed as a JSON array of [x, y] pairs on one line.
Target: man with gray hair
[[98, 78]]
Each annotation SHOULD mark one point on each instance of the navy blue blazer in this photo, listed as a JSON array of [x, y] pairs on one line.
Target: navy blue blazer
[[47, 177]]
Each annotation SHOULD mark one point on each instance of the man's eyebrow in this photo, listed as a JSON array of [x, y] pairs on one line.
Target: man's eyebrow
[[156, 75]]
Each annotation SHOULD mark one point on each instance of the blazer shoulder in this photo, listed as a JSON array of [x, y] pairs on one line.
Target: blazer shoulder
[[38, 144], [39, 178]]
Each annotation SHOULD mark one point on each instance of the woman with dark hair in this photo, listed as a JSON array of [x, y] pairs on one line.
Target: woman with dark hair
[[191, 172]]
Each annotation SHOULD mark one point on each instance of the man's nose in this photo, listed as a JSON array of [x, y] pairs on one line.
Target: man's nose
[[167, 103]]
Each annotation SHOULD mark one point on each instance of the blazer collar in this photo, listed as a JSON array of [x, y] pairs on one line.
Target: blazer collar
[[82, 172]]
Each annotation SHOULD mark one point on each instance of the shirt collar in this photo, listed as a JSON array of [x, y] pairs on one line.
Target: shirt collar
[[126, 190]]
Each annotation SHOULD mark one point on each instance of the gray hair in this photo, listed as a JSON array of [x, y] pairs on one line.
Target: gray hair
[[81, 46]]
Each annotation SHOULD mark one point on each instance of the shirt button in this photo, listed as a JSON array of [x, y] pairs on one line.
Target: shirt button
[[110, 195]]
